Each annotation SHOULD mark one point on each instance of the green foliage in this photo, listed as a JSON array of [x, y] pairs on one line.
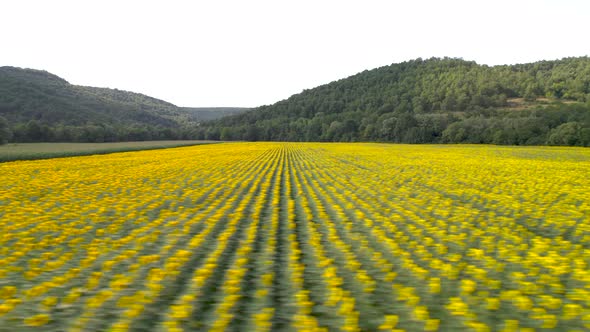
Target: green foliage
[[201, 114], [428, 101], [5, 132], [570, 133], [28, 94], [420, 101], [41, 107]]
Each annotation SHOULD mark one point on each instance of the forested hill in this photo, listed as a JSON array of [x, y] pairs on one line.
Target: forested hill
[[201, 114], [432, 101], [38, 106]]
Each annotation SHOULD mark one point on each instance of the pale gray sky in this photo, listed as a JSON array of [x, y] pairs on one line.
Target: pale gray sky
[[250, 53]]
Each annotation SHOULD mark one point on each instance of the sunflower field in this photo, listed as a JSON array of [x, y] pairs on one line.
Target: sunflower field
[[298, 237]]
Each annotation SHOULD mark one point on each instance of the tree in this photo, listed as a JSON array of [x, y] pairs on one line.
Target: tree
[[529, 93], [566, 134], [335, 131], [226, 134], [5, 132], [585, 136], [251, 133], [33, 131]]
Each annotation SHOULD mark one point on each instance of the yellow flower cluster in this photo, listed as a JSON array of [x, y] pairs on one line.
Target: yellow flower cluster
[[307, 237]]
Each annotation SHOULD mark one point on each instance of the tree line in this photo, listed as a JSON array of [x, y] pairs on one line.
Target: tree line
[[438, 100], [431, 101], [557, 124], [35, 131]]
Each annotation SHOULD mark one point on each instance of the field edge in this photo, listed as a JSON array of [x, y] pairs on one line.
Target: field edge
[[7, 156]]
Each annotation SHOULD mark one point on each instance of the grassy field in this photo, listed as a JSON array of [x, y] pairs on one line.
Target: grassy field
[[32, 151], [298, 237]]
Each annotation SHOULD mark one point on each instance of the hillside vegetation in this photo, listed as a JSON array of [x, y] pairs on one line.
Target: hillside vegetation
[[431, 101], [39, 106], [201, 114], [420, 101]]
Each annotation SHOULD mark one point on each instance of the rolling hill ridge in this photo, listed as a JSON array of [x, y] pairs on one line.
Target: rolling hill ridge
[[436, 100], [40, 106]]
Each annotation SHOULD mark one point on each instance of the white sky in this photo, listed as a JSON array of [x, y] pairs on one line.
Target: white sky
[[250, 53]]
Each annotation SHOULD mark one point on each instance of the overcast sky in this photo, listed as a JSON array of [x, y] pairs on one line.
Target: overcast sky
[[250, 53]]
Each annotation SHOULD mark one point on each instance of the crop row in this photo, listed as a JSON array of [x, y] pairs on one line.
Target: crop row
[[310, 237]]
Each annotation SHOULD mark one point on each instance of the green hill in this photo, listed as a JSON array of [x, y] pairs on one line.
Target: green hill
[[201, 114], [420, 101], [27, 94], [40, 106], [431, 101]]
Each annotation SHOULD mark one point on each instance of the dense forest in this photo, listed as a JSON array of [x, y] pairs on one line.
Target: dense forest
[[202, 114], [437, 100], [37, 106]]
